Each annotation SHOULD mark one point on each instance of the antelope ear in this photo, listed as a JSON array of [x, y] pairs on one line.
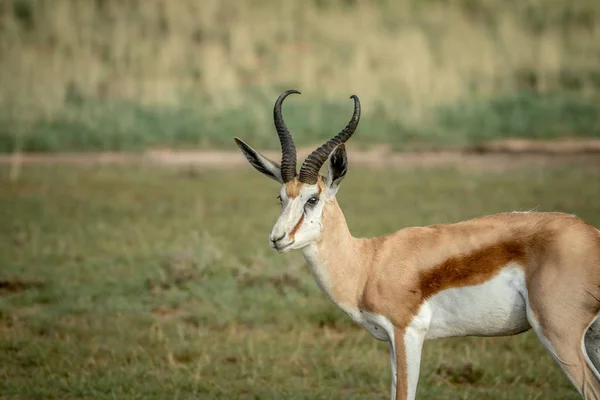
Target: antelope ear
[[259, 162], [337, 168]]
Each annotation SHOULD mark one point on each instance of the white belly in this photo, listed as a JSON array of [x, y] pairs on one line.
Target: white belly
[[377, 325], [494, 308]]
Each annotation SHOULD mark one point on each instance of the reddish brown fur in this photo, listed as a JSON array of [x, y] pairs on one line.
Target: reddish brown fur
[[472, 268], [413, 264], [296, 227], [393, 275], [292, 188]]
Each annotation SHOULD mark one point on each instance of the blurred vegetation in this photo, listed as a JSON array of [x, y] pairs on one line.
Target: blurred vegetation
[[110, 74], [186, 300]]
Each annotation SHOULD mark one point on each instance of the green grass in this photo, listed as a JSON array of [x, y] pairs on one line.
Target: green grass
[[159, 283], [88, 125]]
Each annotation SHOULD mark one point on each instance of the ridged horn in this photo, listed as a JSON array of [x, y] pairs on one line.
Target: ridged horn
[[309, 171], [288, 149]]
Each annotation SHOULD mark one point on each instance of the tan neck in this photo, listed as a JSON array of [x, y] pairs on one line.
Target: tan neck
[[339, 262]]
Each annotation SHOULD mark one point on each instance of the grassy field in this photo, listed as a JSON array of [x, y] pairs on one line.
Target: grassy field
[[108, 74], [146, 282]]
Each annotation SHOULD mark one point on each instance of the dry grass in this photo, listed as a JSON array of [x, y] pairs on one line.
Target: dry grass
[[164, 52], [405, 58]]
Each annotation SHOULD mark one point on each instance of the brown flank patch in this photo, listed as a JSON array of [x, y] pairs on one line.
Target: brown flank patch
[[471, 269]]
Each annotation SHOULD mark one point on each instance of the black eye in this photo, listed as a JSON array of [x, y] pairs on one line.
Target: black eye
[[313, 200], [279, 198]]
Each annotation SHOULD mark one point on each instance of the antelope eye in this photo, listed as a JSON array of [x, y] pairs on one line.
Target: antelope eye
[[313, 200]]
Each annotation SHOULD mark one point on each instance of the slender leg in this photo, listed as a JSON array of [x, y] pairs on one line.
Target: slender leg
[[565, 343], [394, 370], [406, 362]]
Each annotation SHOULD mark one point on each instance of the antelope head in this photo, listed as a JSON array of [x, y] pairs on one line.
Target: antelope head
[[304, 195]]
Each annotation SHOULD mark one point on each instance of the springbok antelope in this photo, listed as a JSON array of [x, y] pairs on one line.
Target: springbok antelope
[[495, 275]]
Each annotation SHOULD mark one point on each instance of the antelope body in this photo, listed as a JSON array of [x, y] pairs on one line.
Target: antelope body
[[490, 276]]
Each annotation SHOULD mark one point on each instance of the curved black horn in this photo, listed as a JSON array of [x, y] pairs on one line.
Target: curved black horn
[[309, 172], [288, 149]]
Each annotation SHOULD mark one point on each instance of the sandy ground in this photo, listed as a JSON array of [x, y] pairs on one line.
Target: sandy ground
[[494, 155]]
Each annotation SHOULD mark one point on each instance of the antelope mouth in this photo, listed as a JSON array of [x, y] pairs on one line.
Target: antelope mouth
[[283, 248]]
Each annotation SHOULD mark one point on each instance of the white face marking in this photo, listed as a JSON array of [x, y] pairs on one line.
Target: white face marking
[[300, 211], [493, 308]]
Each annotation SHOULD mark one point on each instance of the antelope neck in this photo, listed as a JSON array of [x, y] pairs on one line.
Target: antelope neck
[[338, 261]]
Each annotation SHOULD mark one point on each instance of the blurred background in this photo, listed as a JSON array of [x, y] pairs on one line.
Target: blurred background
[[134, 259], [106, 74]]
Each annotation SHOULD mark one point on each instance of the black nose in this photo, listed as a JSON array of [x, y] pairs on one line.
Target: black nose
[[278, 239]]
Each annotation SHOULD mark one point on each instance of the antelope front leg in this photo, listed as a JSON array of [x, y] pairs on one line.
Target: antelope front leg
[[405, 353]]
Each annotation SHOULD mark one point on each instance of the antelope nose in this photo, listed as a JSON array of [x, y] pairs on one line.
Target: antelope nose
[[275, 240]]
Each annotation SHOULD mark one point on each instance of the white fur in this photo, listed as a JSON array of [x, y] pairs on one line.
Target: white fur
[[293, 210], [413, 345], [318, 270], [382, 329], [493, 308], [378, 326], [496, 307]]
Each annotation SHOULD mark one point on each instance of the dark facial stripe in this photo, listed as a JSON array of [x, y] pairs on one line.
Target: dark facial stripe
[[298, 224]]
